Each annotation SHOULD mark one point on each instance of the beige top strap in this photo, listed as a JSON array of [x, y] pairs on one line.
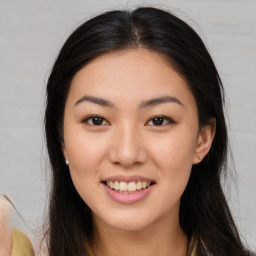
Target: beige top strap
[[21, 246]]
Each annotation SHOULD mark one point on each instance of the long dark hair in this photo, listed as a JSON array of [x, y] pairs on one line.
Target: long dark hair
[[204, 213]]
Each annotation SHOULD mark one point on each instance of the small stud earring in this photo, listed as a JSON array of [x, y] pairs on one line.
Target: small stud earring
[[199, 158], [67, 162]]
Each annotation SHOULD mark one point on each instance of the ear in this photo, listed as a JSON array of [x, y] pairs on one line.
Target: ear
[[204, 141], [64, 153]]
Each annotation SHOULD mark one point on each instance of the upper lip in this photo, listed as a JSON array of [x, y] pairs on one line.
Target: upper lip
[[128, 178]]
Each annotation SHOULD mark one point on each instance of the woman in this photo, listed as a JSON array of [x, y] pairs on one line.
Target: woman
[[137, 141], [135, 97]]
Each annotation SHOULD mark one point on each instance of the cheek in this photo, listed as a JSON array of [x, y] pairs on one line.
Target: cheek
[[85, 154], [84, 150], [174, 150], [173, 156]]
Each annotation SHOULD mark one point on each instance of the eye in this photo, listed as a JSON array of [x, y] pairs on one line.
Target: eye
[[95, 120], [161, 121]]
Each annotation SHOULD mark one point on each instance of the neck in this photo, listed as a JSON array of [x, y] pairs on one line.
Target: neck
[[162, 238]]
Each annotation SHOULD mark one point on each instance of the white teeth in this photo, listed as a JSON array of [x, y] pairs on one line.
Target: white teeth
[[111, 184], [130, 187], [139, 185], [123, 186], [116, 185], [144, 184]]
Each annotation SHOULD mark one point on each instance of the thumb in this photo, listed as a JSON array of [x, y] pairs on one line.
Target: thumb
[[5, 228]]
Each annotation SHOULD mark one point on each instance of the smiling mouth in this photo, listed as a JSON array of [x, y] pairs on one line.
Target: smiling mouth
[[128, 187]]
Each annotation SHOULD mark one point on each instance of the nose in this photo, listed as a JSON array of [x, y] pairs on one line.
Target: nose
[[127, 148]]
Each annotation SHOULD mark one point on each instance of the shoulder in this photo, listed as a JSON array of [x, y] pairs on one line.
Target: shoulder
[[21, 245]]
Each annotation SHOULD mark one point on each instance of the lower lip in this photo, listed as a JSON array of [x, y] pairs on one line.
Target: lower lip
[[128, 198]]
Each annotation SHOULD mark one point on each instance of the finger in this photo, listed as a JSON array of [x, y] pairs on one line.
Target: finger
[[5, 229]]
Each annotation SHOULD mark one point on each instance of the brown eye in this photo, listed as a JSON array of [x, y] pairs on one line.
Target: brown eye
[[161, 120], [95, 120]]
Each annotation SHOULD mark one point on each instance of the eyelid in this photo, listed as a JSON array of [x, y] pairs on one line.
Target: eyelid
[[85, 120], [170, 120]]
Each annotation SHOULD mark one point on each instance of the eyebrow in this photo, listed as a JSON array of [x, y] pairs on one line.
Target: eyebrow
[[143, 104]]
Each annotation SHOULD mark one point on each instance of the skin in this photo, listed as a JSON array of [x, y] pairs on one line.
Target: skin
[[5, 228], [127, 143]]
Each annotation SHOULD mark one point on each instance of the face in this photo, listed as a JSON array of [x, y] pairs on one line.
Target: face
[[131, 136]]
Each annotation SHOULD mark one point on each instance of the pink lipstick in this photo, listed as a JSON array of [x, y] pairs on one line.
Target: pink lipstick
[[128, 189]]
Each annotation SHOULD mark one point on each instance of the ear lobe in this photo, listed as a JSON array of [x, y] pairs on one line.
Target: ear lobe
[[65, 156], [204, 141]]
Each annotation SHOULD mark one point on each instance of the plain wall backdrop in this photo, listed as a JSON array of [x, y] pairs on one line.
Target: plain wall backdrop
[[31, 34]]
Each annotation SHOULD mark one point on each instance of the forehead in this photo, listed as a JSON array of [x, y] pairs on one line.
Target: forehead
[[130, 76]]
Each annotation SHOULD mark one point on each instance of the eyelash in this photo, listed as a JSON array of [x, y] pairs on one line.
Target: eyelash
[[169, 120]]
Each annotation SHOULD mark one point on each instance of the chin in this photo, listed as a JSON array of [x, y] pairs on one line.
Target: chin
[[128, 221], [130, 226]]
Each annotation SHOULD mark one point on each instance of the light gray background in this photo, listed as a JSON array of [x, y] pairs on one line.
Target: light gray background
[[31, 33]]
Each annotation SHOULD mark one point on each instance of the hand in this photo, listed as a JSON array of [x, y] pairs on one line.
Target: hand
[[5, 228]]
